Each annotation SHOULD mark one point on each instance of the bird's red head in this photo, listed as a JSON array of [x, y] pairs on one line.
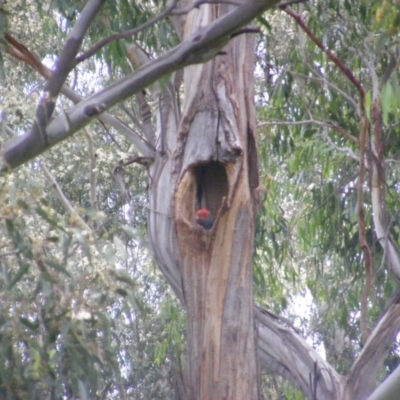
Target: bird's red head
[[204, 218], [203, 214]]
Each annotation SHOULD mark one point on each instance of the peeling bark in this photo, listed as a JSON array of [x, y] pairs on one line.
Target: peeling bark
[[207, 165]]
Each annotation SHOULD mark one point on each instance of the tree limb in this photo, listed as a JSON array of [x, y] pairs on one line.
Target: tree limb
[[389, 389], [370, 360], [20, 52], [287, 353], [199, 48], [63, 66]]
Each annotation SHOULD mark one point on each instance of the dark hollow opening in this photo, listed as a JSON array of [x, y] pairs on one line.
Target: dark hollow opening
[[211, 186]]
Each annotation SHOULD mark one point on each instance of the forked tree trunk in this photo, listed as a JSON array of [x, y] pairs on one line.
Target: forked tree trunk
[[208, 159]]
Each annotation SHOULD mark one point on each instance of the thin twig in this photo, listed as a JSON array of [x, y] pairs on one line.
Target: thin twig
[[63, 200], [364, 124], [328, 124], [344, 150], [93, 180], [126, 34], [10, 253], [362, 230], [328, 83], [346, 71]]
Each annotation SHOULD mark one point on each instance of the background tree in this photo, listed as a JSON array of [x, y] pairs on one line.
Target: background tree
[[77, 286]]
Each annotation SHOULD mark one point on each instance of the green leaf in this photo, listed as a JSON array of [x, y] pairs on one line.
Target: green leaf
[[123, 276], [386, 101], [21, 272], [56, 266], [367, 104], [382, 40], [53, 222], [132, 232], [263, 22], [31, 325]]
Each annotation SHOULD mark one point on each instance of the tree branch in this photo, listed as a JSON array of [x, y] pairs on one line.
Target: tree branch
[[93, 181], [345, 70], [64, 64], [370, 360], [389, 389], [138, 57], [198, 3], [362, 230], [282, 6], [378, 181], [287, 353], [20, 52], [328, 124], [199, 48], [321, 79]]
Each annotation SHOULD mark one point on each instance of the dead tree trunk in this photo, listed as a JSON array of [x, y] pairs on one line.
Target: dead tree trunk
[[207, 158]]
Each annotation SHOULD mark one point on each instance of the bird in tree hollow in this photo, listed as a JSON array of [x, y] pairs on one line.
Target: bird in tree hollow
[[204, 219]]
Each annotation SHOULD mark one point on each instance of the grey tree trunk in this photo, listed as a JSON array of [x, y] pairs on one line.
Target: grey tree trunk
[[209, 160]]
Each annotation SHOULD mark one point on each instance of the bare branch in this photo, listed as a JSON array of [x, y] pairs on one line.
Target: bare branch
[[389, 389], [286, 353], [19, 51], [374, 351], [361, 179], [64, 64], [362, 229], [378, 180], [92, 159]]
